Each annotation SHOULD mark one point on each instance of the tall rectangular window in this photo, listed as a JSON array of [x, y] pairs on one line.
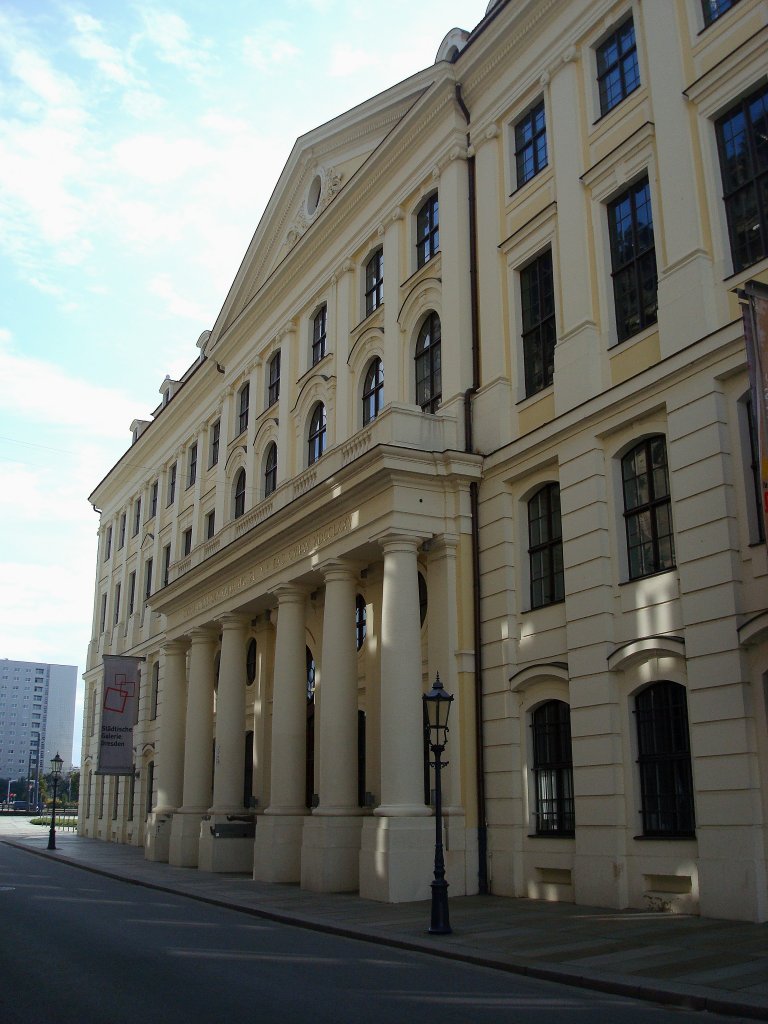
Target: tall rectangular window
[[530, 144], [537, 294], [213, 443], [121, 535], [192, 465], [148, 579], [171, 495], [131, 592], [553, 769], [166, 564], [108, 543], [116, 617], [103, 615], [136, 516], [618, 73], [210, 524], [648, 508], [153, 499], [742, 136], [243, 401], [374, 282], [545, 547], [427, 231], [187, 541], [273, 388], [319, 334], [633, 260], [664, 760]]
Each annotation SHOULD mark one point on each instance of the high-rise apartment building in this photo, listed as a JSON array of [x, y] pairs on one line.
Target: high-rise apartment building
[[476, 404], [37, 716]]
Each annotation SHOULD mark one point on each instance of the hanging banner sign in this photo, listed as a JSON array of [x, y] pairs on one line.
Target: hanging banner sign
[[119, 714], [754, 308]]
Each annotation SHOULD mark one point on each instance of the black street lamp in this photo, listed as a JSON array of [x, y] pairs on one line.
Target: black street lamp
[[56, 763], [437, 705]]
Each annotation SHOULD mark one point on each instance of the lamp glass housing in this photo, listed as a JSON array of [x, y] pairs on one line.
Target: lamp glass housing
[[56, 763], [437, 704]]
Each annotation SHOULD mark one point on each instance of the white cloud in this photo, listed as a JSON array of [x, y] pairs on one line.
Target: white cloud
[[176, 304], [172, 39], [158, 159], [90, 45], [269, 47], [347, 60]]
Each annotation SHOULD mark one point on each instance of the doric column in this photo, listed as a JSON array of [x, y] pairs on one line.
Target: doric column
[[289, 705], [338, 712], [229, 762], [170, 753], [402, 738], [198, 753]]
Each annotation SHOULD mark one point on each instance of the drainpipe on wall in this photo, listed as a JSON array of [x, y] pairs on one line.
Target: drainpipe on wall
[[482, 831]]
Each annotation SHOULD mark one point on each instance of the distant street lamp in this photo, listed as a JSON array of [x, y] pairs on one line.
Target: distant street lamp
[[56, 763], [437, 705]]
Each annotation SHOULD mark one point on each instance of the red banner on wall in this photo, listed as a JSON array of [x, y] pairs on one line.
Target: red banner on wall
[[119, 714]]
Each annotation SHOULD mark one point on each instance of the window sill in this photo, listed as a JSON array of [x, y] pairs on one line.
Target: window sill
[[687, 837], [552, 835], [647, 576]]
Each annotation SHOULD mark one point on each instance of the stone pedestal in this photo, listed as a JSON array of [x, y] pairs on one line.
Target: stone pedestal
[[397, 858], [157, 839], [223, 853], [277, 848], [330, 853], [185, 837]]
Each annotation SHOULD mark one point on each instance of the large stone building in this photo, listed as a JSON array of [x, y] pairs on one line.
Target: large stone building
[[37, 717], [477, 403]]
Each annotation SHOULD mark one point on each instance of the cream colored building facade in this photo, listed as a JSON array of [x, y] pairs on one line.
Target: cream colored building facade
[[476, 404]]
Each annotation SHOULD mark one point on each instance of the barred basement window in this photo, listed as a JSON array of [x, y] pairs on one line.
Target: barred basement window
[[664, 759], [553, 769]]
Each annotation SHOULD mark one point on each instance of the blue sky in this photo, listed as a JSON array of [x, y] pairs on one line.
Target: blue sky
[[139, 145]]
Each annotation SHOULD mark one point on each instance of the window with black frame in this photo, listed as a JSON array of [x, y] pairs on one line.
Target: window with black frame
[[545, 547], [427, 231], [741, 138], [373, 391], [553, 769], [374, 282], [317, 432], [648, 508], [429, 382], [319, 334], [537, 293], [618, 73], [270, 469], [664, 760], [530, 144], [633, 260], [238, 507], [273, 386]]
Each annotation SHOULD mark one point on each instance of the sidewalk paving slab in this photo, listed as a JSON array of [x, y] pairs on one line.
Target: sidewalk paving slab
[[700, 963]]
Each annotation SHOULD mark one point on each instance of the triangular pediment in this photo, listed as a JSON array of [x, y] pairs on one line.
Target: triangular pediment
[[321, 163]]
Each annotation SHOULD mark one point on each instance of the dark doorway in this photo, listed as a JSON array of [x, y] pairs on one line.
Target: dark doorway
[[309, 788]]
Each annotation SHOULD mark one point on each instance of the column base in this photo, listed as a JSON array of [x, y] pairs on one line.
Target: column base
[[223, 848], [277, 849], [157, 838], [330, 853], [185, 838], [397, 859]]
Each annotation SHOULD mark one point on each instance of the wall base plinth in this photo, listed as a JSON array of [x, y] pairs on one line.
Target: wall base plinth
[[223, 853], [157, 840], [330, 853], [185, 838], [397, 858], [277, 850]]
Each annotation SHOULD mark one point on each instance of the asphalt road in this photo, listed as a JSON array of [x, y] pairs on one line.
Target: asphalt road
[[77, 948]]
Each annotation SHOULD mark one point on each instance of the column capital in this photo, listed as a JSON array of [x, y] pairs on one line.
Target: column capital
[[336, 569], [233, 620], [173, 647], [290, 593], [444, 544], [203, 634], [393, 541]]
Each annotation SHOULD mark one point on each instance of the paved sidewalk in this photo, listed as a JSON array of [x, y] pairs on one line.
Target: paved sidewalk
[[689, 961]]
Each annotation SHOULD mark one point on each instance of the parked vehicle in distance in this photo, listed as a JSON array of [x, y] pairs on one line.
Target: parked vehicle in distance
[[21, 805]]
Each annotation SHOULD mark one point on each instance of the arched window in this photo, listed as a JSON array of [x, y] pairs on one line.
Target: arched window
[[374, 282], [373, 391], [647, 508], [316, 438], [545, 546], [270, 469], [360, 621], [243, 400], [664, 759], [427, 231], [239, 495], [429, 383], [553, 769]]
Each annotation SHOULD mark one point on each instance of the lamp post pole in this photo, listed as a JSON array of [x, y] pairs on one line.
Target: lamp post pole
[[56, 764], [437, 704]]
